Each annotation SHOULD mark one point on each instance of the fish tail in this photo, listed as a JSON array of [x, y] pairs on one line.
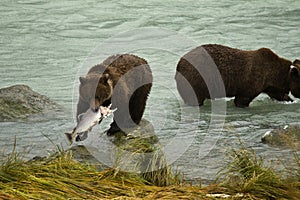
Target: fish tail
[[70, 136]]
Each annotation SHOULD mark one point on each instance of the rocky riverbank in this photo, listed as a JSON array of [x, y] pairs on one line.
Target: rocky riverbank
[[20, 102], [288, 136]]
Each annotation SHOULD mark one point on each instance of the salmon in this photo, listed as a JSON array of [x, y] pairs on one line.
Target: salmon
[[86, 121]]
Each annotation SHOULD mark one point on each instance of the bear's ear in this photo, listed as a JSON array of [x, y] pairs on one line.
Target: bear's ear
[[294, 71], [82, 79]]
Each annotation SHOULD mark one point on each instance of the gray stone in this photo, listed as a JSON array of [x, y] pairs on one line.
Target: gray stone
[[289, 136], [20, 102]]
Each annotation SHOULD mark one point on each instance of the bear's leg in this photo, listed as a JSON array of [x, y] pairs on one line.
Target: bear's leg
[[200, 100], [279, 96], [194, 101], [137, 103], [189, 91], [114, 128], [120, 119], [242, 102]]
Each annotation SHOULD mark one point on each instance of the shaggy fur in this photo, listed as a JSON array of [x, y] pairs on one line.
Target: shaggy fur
[[123, 80], [245, 75]]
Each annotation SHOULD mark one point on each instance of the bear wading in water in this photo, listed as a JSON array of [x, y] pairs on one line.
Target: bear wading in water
[[244, 75], [121, 80]]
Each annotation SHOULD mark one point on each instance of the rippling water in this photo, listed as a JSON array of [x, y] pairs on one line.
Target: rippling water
[[47, 45]]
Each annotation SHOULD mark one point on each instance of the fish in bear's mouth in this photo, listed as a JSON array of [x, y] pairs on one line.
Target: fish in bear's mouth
[[106, 103], [87, 120], [106, 111]]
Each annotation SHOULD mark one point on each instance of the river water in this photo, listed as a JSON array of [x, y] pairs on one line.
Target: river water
[[49, 44]]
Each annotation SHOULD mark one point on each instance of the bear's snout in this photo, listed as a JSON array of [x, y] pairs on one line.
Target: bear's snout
[[95, 105], [95, 109]]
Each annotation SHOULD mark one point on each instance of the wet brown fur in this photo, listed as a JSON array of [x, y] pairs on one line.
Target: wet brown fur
[[245, 74], [116, 80]]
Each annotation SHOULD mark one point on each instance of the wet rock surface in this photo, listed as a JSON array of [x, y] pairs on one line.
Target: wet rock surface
[[289, 136], [20, 102]]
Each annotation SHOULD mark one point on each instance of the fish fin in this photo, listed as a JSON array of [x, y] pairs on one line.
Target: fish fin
[[80, 117], [70, 137]]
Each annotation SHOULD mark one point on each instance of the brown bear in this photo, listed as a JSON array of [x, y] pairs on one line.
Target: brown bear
[[121, 80], [214, 71]]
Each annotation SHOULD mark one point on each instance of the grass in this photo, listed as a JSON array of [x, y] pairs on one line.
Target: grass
[[144, 156], [251, 175], [59, 176]]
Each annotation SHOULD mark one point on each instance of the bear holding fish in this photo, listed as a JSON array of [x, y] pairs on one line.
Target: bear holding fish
[[122, 81]]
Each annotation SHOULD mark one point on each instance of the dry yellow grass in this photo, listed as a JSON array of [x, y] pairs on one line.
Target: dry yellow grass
[[61, 177]]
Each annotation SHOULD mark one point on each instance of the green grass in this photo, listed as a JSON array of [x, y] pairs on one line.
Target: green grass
[[144, 155], [59, 176], [249, 174]]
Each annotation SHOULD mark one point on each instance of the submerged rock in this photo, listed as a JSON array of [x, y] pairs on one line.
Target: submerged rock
[[289, 136], [20, 102]]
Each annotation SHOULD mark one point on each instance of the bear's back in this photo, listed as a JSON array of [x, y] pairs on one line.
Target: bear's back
[[227, 58], [118, 64]]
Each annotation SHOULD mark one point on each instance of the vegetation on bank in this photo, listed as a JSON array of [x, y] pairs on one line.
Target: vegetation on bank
[[59, 176], [248, 173]]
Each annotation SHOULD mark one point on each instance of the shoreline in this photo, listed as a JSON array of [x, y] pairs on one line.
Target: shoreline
[[60, 176]]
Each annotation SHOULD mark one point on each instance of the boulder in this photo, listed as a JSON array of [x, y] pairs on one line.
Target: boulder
[[289, 136], [20, 102]]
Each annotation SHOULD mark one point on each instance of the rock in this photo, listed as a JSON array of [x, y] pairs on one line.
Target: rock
[[144, 131], [20, 102], [289, 136]]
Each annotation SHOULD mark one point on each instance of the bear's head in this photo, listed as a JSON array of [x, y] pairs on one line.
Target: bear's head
[[96, 90], [295, 78]]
